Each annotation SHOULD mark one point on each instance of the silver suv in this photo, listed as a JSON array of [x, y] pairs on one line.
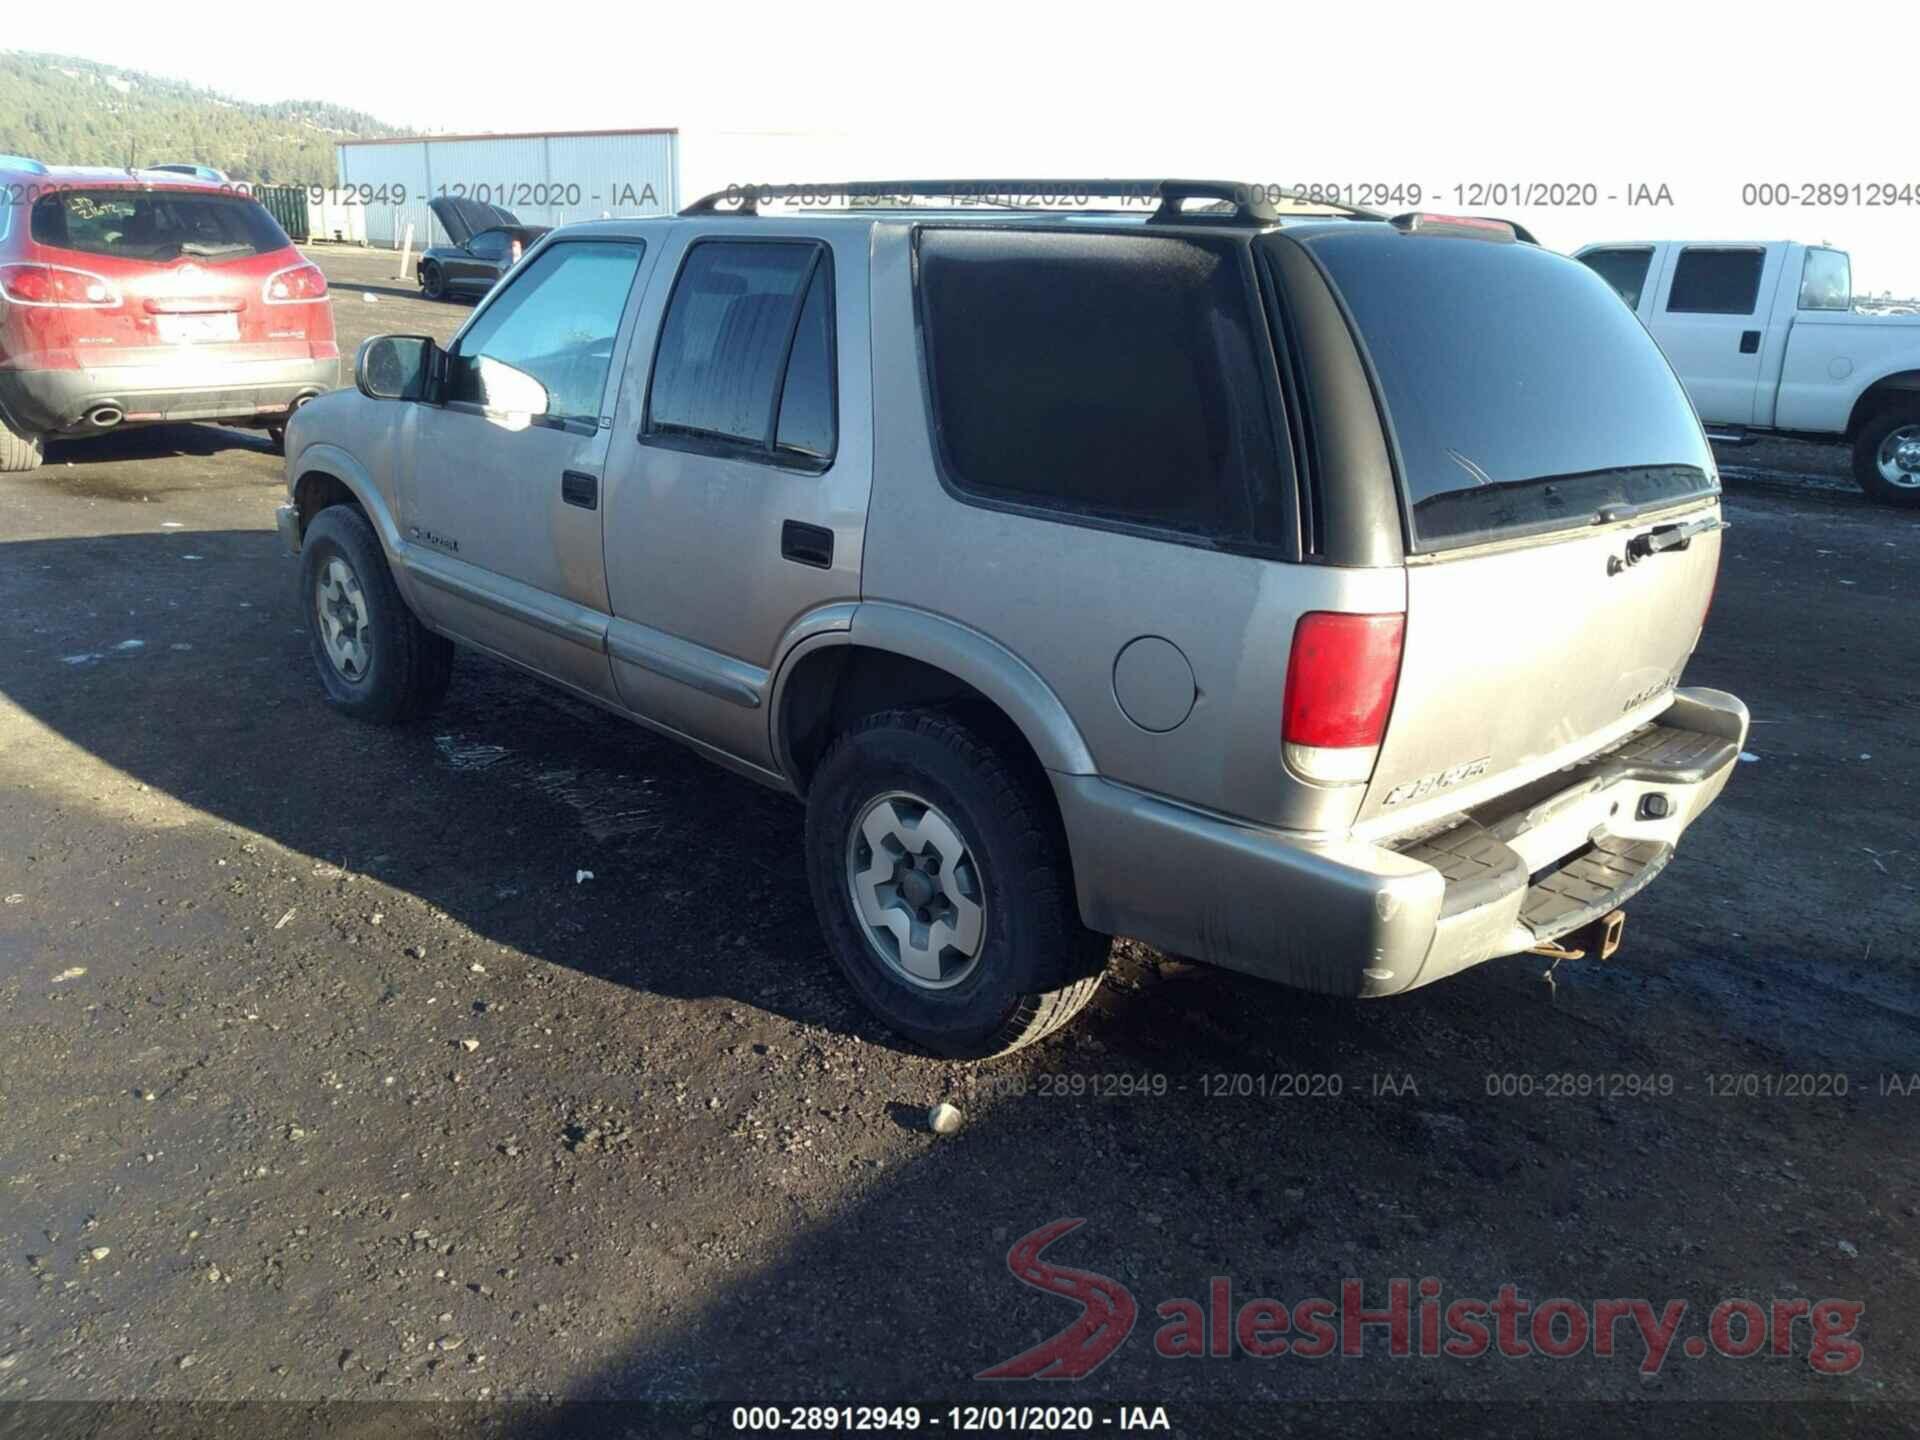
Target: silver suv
[[1302, 593]]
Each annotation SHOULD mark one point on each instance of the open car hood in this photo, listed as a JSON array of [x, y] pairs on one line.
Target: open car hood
[[463, 218]]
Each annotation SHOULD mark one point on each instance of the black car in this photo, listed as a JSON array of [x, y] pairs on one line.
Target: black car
[[487, 240]]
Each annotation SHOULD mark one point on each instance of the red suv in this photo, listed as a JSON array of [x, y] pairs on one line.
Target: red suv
[[132, 297]]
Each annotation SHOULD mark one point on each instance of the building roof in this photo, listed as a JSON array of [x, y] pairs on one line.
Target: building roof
[[509, 135]]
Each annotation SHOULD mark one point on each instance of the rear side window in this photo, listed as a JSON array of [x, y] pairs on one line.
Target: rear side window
[[744, 366], [1826, 281], [156, 225], [1715, 282], [1624, 270], [1523, 397], [1113, 378]]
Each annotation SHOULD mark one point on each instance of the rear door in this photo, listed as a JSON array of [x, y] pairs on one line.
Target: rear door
[[1709, 316], [1550, 468], [738, 481]]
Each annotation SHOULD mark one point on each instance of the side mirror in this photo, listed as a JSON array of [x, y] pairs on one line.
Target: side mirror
[[397, 367]]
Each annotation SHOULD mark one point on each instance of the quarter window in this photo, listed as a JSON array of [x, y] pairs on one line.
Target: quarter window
[[746, 357], [1715, 282], [1111, 377], [545, 344], [1624, 270]]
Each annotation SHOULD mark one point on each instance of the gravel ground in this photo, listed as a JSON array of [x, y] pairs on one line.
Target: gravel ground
[[326, 1076]]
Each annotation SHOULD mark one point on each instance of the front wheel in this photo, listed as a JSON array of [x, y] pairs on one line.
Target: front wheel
[[433, 282], [18, 452], [1886, 457], [376, 661], [940, 874]]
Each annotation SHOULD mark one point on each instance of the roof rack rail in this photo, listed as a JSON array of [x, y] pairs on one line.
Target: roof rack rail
[[1238, 203], [22, 162]]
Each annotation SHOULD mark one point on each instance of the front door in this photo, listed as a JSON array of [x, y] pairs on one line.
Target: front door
[[502, 508], [482, 262]]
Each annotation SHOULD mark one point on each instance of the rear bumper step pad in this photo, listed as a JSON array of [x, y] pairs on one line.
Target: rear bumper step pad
[[1602, 878]]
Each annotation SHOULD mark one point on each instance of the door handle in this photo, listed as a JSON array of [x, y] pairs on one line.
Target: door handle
[[807, 544], [1749, 342], [578, 488]]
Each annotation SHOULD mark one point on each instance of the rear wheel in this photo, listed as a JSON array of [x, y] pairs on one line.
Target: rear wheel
[[1886, 457], [376, 661], [433, 282], [940, 874], [18, 452]]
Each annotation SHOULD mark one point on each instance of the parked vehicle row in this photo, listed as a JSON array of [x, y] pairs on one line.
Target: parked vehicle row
[[134, 297], [1083, 574], [1765, 337]]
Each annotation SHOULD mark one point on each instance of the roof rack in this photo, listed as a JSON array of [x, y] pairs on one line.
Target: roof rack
[[1233, 202], [22, 162]]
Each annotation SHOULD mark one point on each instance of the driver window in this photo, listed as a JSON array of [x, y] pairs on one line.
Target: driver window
[[489, 244], [545, 344]]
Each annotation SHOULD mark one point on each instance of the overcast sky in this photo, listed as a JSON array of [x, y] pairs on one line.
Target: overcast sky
[[1617, 96]]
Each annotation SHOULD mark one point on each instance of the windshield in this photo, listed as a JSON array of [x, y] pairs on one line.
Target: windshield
[[1522, 394], [157, 225]]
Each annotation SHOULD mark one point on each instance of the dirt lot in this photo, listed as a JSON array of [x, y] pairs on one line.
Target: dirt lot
[[325, 1076]]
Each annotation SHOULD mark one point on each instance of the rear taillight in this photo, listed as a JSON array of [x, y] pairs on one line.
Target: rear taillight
[[57, 286], [1340, 683], [295, 285]]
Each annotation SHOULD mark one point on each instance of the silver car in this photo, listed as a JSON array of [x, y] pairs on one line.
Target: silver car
[[1307, 594]]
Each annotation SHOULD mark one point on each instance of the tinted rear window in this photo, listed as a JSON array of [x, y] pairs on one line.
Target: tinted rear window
[[1715, 282], [1522, 394], [745, 361], [1111, 378], [1624, 270], [156, 225]]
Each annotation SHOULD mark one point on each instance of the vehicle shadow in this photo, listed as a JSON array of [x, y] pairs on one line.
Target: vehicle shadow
[[154, 442], [1199, 1124], [497, 809]]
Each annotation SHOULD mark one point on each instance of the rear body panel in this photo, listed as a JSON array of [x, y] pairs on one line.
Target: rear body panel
[[188, 331], [1519, 660]]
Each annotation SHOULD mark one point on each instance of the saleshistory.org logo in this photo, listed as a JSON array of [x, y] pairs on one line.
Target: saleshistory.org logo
[[1413, 1321]]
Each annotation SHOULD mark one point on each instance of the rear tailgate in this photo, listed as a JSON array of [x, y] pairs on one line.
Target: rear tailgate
[[1560, 504], [1523, 660], [192, 271]]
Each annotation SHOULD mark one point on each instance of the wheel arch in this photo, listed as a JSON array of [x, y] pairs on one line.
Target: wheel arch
[[330, 476], [1882, 394], [893, 655]]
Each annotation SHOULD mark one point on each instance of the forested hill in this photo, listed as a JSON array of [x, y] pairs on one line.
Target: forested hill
[[67, 111]]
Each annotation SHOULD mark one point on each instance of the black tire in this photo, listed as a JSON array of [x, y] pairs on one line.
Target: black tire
[[18, 453], [1037, 964], [1866, 457], [433, 282], [408, 667], [277, 438]]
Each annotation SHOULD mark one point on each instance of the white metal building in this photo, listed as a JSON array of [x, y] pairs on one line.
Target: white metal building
[[545, 179]]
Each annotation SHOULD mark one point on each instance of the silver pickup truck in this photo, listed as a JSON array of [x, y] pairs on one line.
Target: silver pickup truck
[[1297, 590]]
